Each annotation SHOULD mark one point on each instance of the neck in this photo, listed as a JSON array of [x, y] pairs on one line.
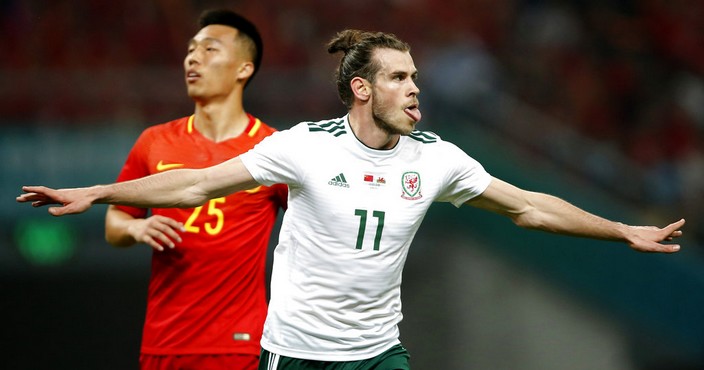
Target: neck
[[220, 121], [369, 133]]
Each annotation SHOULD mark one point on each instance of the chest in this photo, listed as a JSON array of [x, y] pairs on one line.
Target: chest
[[397, 180], [372, 203], [189, 152]]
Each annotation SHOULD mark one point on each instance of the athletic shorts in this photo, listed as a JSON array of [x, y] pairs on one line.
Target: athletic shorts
[[199, 362], [395, 358]]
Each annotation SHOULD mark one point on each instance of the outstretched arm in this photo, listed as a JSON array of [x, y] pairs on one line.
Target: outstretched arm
[[181, 188], [548, 213]]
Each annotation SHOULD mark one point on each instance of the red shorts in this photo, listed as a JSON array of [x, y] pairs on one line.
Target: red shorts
[[199, 362]]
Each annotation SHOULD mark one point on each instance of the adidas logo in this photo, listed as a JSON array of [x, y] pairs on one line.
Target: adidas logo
[[339, 180]]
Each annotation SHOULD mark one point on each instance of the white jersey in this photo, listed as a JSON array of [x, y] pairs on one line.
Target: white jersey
[[352, 214]]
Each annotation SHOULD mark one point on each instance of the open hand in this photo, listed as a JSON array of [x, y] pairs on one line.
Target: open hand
[[649, 238], [156, 231], [71, 201]]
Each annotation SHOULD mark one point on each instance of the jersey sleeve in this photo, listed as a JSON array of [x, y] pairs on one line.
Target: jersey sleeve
[[278, 158], [466, 177], [136, 167]]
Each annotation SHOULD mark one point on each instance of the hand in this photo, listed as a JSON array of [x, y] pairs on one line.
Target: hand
[[72, 201], [648, 238], [156, 231]]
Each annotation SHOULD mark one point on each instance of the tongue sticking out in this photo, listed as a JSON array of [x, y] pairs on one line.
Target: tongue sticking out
[[414, 113]]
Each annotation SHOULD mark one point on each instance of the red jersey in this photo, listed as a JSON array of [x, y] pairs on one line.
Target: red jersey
[[208, 295]]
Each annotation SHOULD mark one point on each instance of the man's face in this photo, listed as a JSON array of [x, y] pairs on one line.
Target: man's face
[[394, 93], [212, 63]]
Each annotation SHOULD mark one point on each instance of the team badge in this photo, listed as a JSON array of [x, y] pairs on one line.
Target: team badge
[[410, 182]]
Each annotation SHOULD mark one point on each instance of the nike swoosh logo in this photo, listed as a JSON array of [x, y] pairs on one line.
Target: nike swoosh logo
[[163, 167], [253, 190]]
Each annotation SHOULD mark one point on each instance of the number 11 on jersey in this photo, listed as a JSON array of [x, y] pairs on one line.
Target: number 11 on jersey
[[379, 215]]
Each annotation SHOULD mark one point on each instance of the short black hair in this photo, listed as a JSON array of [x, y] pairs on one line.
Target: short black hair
[[229, 18]]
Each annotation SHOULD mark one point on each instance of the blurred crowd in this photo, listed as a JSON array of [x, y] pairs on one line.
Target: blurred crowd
[[630, 76], [624, 75]]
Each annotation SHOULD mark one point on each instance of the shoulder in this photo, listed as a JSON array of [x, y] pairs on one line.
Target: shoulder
[[265, 128], [424, 137], [427, 141], [259, 129], [333, 127], [431, 143], [177, 125], [315, 130], [161, 131]]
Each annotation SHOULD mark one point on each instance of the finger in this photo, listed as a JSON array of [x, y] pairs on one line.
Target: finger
[[671, 248], [161, 230], [671, 234], [35, 189], [29, 197], [36, 199], [676, 225], [170, 237], [57, 211], [170, 227], [163, 239], [666, 248], [153, 243], [171, 223], [64, 210], [161, 233], [171, 234], [24, 197], [646, 246]]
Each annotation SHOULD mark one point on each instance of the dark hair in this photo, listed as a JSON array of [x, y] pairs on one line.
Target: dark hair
[[247, 30], [358, 47]]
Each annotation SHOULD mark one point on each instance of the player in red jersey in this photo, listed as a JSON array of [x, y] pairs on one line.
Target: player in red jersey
[[206, 303]]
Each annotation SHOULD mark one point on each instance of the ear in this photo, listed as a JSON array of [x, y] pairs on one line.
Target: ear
[[245, 71], [361, 88]]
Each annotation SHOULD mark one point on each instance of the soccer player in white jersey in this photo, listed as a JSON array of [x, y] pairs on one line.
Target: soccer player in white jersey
[[359, 187]]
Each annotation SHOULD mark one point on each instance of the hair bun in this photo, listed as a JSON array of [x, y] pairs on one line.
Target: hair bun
[[345, 40]]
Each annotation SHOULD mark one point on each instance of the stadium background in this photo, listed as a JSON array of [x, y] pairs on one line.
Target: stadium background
[[601, 102]]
